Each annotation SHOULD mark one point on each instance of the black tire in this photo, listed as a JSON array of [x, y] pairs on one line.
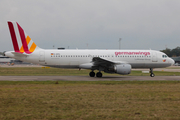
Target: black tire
[[91, 74], [99, 74], [152, 75]]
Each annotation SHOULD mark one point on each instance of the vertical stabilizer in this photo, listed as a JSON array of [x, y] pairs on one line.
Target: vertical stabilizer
[[21, 41]]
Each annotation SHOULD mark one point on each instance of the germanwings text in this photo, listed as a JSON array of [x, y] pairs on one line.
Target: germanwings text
[[132, 53]]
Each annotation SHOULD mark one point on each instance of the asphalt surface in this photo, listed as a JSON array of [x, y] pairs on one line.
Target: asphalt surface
[[87, 78]]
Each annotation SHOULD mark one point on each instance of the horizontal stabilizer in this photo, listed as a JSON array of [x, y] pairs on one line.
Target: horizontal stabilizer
[[19, 54]]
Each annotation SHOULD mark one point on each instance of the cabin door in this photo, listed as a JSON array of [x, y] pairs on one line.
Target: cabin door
[[154, 57], [41, 57]]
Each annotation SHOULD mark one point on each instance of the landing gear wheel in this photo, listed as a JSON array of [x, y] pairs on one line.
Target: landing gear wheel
[[92, 74], [99, 74], [152, 75], [151, 71]]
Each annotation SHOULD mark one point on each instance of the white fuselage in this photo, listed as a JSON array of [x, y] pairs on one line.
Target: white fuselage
[[74, 58], [110, 61]]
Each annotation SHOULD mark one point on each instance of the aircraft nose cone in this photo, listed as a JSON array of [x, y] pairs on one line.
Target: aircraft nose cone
[[172, 61]]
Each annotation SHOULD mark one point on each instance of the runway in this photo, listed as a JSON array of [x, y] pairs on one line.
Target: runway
[[87, 78]]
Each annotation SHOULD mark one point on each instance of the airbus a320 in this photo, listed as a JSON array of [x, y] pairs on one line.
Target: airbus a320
[[109, 61]]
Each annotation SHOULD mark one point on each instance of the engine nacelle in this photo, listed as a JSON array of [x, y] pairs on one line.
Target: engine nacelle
[[86, 66], [123, 69]]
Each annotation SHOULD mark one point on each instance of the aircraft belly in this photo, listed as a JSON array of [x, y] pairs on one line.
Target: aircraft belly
[[150, 65], [71, 63], [65, 63], [64, 66]]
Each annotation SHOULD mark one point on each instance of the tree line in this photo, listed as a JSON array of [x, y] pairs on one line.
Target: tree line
[[172, 52]]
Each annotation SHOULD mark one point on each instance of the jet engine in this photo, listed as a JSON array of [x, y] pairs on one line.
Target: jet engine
[[123, 69], [86, 66]]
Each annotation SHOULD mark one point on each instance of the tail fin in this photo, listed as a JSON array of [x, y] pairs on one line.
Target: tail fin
[[21, 41]]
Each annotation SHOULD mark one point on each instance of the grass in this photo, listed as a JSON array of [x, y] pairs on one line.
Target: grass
[[37, 71], [89, 100]]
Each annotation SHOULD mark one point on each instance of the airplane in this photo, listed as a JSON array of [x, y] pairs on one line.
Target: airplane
[[109, 61]]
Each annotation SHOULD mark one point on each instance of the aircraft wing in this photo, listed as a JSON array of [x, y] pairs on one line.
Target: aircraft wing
[[101, 61], [97, 61]]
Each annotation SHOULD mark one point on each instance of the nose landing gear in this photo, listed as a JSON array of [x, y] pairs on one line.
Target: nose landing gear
[[151, 72]]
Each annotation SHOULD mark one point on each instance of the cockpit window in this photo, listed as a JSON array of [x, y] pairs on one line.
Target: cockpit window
[[164, 56]]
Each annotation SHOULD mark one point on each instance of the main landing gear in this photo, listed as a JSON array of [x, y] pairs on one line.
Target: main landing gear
[[92, 74], [151, 72]]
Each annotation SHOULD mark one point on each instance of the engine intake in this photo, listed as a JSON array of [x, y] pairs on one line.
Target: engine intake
[[123, 69]]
